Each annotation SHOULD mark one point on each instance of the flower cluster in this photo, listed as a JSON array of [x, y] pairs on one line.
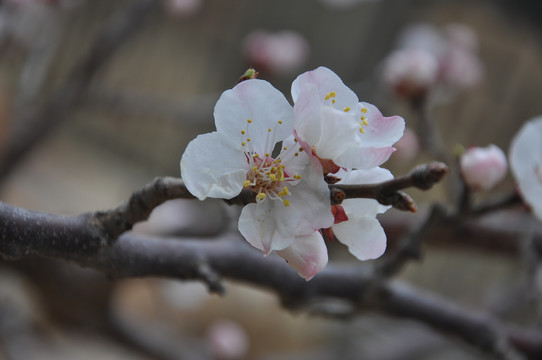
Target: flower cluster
[[429, 59], [282, 154]]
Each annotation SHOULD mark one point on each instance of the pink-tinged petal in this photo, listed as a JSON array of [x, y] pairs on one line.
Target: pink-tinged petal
[[364, 158], [526, 163], [211, 168], [310, 200], [264, 105], [325, 81], [483, 168], [363, 235], [381, 131], [268, 225], [307, 254], [330, 131], [338, 133]]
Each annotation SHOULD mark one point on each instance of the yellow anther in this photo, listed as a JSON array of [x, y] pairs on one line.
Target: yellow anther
[[249, 121], [260, 196], [248, 139], [300, 149], [243, 132], [332, 94], [279, 161], [347, 109], [255, 169], [266, 154], [286, 202], [243, 143], [365, 122], [361, 130], [297, 177], [333, 101], [284, 192], [273, 177], [273, 170], [364, 110], [281, 174], [328, 95], [296, 154], [246, 183], [295, 140], [280, 121], [256, 156], [268, 130], [285, 148]]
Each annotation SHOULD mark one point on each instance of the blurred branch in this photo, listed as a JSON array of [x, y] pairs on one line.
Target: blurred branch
[[118, 28], [76, 239]]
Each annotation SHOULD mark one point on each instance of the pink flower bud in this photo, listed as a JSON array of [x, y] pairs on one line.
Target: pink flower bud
[[278, 53], [410, 72], [183, 8], [228, 340], [483, 168]]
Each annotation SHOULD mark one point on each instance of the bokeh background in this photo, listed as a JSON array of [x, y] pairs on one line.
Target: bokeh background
[[155, 90]]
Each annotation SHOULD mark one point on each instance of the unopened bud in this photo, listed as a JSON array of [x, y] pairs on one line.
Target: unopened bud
[[483, 168]]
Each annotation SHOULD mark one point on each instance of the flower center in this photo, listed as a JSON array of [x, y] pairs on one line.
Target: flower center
[[267, 176]]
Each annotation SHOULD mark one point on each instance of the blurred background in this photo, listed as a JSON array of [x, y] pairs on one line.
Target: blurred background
[[99, 97]]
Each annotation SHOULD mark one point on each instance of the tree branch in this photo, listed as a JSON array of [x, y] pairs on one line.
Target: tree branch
[[75, 239]]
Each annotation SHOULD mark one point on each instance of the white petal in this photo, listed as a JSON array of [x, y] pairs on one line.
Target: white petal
[[325, 82], [364, 157], [264, 105], [365, 207], [310, 199], [211, 168], [526, 163], [375, 175], [381, 131], [307, 254], [338, 133], [268, 225], [363, 235]]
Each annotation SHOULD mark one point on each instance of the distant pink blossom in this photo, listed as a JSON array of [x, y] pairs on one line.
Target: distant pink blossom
[[227, 340], [282, 52], [183, 8], [408, 146], [526, 163], [411, 73], [483, 168], [455, 51]]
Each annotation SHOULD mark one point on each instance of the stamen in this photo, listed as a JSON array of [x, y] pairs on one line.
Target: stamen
[[249, 121], [260, 196], [246, 183], [286, 202], [364, 110], [243, 132], [347, 109], [280, 121]]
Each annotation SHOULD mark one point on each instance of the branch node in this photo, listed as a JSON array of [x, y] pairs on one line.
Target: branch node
[[211, 279], [427, 175]]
